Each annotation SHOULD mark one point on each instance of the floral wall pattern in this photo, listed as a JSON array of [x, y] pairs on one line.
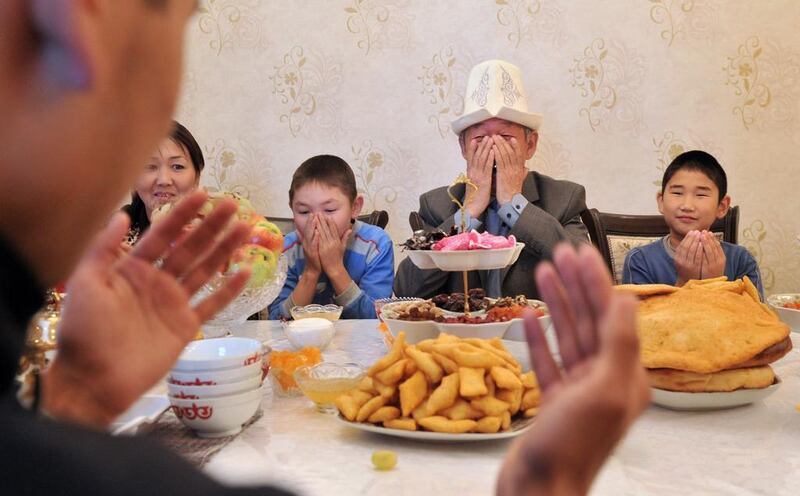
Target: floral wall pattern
[[624, 86]]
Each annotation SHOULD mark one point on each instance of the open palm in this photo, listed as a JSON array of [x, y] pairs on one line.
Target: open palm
[[602, 388], [128, 318]]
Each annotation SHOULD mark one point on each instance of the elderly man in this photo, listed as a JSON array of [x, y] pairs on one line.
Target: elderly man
[[113, 67], [498, 135]]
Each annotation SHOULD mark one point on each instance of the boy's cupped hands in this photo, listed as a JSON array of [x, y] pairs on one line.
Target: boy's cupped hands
[[699, 256]]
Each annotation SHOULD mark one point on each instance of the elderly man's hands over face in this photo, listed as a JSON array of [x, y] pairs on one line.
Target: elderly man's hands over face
[[511, 171], [480, 161], [126, 321], [587, 406]]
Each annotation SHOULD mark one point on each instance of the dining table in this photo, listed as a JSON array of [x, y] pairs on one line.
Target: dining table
[[752, 449]]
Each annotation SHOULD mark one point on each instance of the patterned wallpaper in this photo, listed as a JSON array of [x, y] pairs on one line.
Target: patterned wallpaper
[[624, 86]]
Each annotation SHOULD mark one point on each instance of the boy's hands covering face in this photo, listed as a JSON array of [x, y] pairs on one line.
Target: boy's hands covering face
[[332, 245], [311, 245]]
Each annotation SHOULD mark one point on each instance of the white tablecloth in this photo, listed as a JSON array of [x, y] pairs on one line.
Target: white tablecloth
[[749, 450]]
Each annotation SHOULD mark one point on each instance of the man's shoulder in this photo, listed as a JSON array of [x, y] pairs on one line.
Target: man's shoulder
[[436, 203], [547, 184], [435, 195]]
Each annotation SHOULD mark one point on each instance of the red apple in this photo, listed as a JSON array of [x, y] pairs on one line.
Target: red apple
[[267, 234]]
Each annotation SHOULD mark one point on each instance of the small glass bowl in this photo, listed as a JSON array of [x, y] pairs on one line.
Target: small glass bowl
[[327, 312], [383, 301], [326, 381]]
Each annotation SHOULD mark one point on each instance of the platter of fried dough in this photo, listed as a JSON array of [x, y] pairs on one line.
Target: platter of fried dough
[[709, 344], [444, 389]]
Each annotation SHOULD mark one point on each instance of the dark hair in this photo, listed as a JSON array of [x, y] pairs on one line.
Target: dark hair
[[180, 135], [698, 160], [329, 170]]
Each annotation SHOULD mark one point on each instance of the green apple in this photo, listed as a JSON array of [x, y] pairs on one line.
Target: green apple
[[262, 262]]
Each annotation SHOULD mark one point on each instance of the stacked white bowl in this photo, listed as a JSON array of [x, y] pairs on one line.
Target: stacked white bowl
[[215, 386]]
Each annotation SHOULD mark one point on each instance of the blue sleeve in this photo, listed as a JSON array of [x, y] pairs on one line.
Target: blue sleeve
[[634, 270], [276, 309], [509, 213], [749, 268], [376, 283], [472, 224]]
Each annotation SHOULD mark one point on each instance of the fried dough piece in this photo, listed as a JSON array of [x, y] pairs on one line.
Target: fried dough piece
[[360, 397], [471, 382], [529, 380], [412, 392], [489, 425], [769, 355], [530, 399], [511, 396], [370, 407], [447, 364], [395, 354], [383, 389], [645, 290], [392, 374], [444, 395], [490, 405], [384, 414], [405, 424], [461, 410], [442, 424], [466, 355], [705, 330], [347, 406], [727, 380], [426, 363], [505, 379]]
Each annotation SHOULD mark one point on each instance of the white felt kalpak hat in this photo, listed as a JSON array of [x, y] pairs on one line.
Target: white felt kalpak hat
[[494, 89]]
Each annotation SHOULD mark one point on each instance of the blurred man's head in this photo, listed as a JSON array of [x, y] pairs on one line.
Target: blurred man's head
[[87, 88]]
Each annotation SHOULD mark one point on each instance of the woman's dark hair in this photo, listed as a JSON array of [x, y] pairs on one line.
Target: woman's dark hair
[[180, 135], [698, 160], [329, 170]]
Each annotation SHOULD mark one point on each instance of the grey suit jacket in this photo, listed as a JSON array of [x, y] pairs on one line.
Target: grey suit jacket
[[553, 215]]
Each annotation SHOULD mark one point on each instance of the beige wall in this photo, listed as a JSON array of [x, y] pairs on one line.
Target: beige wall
[[624, 85]]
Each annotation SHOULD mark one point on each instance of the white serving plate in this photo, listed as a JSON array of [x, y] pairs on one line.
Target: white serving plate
[[516, 331], [456, 261], [421, 259], [789, 316], [518, 427], [710, 401], [141, 415], [480, 331], [416, 331]]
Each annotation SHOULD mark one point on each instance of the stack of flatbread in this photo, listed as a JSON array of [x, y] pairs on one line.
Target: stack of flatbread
[[708, 336]]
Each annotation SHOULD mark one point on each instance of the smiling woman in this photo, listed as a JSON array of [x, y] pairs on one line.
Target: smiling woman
[[172, 171]]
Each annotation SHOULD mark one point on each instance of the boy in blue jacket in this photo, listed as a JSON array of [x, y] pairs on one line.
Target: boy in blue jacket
[[333, 258], [693, 195]]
